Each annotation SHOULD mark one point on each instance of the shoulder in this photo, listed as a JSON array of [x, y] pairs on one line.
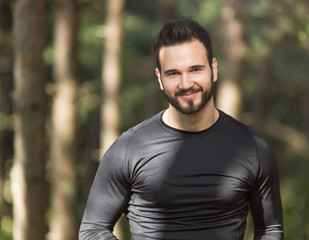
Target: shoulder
[[242, 130], [149, 124], [118, 153], [140, 133], [248, 137], [240, 133], [144, 131], [234, 124]]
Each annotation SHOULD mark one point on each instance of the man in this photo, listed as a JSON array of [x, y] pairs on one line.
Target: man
[[190, 172]]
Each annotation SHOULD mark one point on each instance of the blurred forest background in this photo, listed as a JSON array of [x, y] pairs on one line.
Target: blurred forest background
[[75, 74]]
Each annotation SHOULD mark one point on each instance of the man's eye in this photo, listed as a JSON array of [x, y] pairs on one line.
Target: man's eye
[[172, 74], [196, 69]]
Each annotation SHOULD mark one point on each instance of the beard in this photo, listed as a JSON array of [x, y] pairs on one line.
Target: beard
[[190, 107]]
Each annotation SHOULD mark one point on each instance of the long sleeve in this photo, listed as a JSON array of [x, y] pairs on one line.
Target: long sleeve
[[108, 196], [265, 200]]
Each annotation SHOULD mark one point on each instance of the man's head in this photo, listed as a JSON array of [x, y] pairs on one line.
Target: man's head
[[180, 31], [186, 68]]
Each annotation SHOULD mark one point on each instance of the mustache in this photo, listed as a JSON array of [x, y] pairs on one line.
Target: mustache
[[190, 91]]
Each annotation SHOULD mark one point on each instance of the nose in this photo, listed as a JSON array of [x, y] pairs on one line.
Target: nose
[[185, 82]]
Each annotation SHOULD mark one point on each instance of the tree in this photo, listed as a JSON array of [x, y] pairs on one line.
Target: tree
[[6, 86], [167, 10], [28, 176], [155, 97], [63, 224], [111, 78], [111, 74], [234, 49]]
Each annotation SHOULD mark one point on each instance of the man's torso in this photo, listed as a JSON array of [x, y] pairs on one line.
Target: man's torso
[[190, 183]]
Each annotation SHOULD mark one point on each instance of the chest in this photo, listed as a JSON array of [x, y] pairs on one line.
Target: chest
[[194, 175]]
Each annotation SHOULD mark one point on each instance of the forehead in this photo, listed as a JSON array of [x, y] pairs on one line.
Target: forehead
[[183, 55]]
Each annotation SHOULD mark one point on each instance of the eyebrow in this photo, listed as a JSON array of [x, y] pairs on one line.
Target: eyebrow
[[169, 71], [175, 70], [198, 66]]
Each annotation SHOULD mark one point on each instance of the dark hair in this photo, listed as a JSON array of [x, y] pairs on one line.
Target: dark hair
[[181, 31]]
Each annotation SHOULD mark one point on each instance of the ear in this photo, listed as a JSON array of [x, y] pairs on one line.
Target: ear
[[159, 78], [214, 66]]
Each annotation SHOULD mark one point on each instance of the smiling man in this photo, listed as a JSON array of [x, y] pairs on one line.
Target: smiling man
[[187, 80], [191, 171]]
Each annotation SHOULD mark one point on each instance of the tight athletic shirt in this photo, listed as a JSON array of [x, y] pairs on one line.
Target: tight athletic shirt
[[178, 185]]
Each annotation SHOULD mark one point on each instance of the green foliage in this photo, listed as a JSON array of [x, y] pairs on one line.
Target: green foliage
[[6, 228], [5, 236], [90, 40]]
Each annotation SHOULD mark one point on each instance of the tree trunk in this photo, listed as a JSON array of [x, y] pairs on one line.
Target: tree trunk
[[156, 100], [28, 176], [229, 97], [305, 109], [167, 9], [111, 74], [111, 80], [264, 87], [63, 159], [6, 85]]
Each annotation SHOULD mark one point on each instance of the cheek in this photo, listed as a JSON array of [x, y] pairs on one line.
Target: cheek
[[169, 85], [204, 81]]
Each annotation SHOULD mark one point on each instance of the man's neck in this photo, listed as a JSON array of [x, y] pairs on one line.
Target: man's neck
[[191, 122]]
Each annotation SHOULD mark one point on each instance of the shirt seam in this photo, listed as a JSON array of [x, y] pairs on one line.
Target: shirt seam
[[186, 134]]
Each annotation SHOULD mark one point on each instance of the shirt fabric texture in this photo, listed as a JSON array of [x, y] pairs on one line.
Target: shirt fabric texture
[[178, 185]]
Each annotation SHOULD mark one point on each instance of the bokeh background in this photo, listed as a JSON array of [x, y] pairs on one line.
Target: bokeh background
[[74, 74]]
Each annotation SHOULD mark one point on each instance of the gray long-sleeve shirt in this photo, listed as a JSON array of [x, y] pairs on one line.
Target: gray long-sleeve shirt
[[173, 184]]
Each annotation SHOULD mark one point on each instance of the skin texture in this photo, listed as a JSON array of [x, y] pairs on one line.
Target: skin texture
[[187, 81]]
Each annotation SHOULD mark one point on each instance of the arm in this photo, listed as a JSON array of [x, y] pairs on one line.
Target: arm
[[265, 200], [108, 196]]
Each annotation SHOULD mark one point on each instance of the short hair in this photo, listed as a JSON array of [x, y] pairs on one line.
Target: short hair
[[181, 31]]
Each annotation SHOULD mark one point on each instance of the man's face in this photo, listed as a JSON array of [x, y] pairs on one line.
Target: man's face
[[186, 77]]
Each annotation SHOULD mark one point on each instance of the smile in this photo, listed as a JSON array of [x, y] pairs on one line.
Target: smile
[[188, 95]]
